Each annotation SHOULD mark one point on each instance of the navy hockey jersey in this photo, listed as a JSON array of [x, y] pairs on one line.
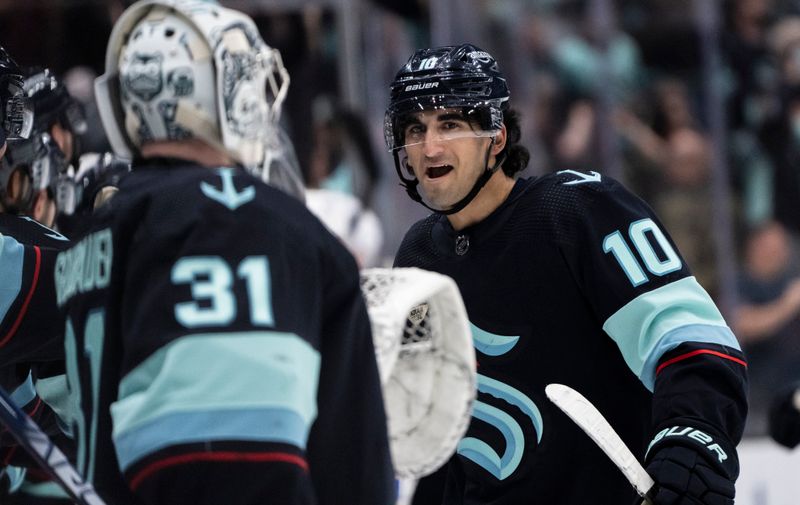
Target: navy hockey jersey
[[31, 338], [219, 348], [30, 327], [574, 280]]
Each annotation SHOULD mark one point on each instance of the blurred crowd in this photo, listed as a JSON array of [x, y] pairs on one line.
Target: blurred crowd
[[623, 94]]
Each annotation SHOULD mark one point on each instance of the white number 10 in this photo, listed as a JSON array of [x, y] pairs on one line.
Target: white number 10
[[638, 234]]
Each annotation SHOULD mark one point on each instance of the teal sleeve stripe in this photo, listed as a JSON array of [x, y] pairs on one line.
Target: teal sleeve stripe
[[220, 372], [639, 327], [705, 334], [261, 425], [11, 258], [24, 393]]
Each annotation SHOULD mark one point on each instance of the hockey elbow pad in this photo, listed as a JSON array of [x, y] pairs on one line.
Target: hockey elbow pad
[[692, 466], [784, 418]]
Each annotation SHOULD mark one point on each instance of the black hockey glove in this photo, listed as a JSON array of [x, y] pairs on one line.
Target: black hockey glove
[[692, 467], [784, 418]]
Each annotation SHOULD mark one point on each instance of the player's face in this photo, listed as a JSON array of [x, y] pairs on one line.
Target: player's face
[[446, 153], [44, 208]]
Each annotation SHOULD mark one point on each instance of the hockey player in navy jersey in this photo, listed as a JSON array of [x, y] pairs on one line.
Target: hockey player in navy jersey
[[29, 174], [31, 331], [567, 278], [218, 346]]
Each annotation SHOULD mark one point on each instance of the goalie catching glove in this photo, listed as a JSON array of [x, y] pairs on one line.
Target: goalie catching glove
[[426, 361], [691, 466]]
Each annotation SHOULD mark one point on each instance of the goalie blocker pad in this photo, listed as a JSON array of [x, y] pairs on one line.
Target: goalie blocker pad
[[426, 360]]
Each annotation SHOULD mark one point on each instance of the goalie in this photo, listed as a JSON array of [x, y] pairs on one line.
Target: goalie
[[218, 346]]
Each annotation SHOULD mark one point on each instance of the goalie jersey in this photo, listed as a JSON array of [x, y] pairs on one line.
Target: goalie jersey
[[574, 280], [219, 348]]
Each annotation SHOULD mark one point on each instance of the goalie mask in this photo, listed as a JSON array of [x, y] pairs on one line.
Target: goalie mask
[[464, 78], [178, 69]]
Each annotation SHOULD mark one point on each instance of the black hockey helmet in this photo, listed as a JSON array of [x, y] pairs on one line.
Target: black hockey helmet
[[52, 103], [16, 112], [463, 76], [40, 159]]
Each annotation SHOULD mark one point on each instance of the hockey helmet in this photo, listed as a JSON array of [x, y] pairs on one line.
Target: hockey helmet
[[177, 69], [16, 112], [52, 103], [42, 162], [464, 77]]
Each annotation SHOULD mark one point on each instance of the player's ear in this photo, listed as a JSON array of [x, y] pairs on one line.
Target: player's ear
[[499, 141]]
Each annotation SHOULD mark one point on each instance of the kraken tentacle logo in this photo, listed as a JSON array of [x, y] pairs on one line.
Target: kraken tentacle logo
[[478, 451]]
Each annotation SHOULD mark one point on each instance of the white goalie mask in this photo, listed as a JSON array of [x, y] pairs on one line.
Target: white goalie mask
[[178, 69], [423, 346]]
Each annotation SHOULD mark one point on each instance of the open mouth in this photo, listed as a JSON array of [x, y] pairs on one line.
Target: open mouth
[[439, 171]]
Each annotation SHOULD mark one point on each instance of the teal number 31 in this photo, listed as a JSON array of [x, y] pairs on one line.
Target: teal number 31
[[212, 281]]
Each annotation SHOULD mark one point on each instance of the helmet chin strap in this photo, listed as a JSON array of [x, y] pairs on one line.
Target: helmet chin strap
[[410, 185]]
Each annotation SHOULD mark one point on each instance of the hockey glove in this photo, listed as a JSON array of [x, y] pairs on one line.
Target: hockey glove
[[784, 418], [692, 467]]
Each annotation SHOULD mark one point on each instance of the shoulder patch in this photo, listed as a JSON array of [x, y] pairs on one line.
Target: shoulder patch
[[581, 177]]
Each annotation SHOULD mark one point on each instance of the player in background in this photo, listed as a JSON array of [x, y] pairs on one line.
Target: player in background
[[567, 278], [56, 112], [218, 346], [31, 170], [60, 116]]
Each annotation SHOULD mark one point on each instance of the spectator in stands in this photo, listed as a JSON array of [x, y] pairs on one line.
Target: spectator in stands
[[767, 321]]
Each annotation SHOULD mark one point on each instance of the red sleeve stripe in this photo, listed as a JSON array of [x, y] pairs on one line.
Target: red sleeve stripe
[[248, 457], [695, 353], [24, 308]]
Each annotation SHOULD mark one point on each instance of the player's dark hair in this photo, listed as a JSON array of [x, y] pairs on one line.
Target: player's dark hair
[[517, 155]]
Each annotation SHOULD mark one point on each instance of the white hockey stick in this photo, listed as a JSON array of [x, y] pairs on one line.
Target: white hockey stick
[[592, 422]]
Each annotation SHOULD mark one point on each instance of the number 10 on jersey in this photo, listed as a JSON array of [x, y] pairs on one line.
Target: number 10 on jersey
[[642, 234]]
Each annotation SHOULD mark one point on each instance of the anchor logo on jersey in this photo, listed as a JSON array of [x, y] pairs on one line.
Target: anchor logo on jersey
[[228, 196]]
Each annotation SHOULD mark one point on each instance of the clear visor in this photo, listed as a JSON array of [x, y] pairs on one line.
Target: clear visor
[[424, 124], [18, 117]]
